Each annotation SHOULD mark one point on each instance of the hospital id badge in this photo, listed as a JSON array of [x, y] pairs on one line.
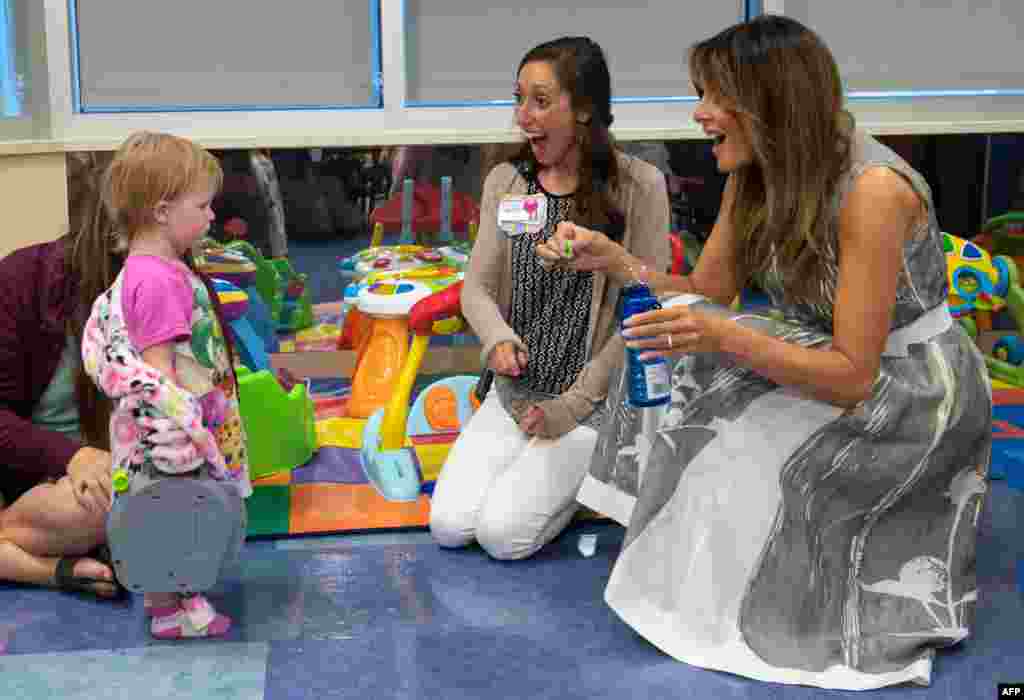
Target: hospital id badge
[[519, 214]]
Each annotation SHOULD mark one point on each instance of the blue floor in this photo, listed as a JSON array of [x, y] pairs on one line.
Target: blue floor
[[391, 615], [319, 261]]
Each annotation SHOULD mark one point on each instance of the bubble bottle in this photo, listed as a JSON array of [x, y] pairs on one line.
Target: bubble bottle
[[649, 380]]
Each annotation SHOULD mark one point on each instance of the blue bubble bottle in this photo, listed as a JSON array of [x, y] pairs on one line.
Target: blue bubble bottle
[[650, 382]]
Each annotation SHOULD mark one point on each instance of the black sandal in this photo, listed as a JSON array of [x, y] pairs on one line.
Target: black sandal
[[67, 581]]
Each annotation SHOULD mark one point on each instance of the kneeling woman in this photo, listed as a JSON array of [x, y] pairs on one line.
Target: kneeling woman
[[550, 336]]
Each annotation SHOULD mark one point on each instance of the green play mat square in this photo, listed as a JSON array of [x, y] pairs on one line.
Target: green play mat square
[[268, 509]]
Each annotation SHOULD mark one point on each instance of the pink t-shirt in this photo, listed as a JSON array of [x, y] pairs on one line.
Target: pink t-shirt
[[156, 301]]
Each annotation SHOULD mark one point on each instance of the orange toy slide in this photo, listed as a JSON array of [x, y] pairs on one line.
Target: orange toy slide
[[378, 366]]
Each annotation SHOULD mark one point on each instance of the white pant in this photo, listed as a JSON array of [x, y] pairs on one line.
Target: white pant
[[510, 492]]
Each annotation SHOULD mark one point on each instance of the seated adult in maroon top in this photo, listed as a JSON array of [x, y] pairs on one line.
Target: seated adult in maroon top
[[55, 487]]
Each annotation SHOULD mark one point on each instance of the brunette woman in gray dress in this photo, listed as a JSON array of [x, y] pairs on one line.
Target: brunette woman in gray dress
[[805, 510]]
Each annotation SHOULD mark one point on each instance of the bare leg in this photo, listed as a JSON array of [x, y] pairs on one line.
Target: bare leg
[[42, 526]]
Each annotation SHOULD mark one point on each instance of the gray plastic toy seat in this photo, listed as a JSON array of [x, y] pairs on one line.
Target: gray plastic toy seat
[[175, 534]]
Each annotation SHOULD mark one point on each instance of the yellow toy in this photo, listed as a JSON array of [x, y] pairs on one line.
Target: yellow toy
[[980, 285]]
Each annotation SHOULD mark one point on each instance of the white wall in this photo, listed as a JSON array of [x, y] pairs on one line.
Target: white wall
[[58, 125]]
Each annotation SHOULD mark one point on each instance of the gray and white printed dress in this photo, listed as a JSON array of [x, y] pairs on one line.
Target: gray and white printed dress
[[784, 539]]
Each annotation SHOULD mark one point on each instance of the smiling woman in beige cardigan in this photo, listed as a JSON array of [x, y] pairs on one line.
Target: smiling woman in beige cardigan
[[549, 336]]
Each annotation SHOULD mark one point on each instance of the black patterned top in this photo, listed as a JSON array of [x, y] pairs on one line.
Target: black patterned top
[[550, 307]]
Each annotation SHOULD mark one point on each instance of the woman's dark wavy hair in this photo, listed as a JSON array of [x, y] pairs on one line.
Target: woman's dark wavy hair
[[582, 71], [93, 258]]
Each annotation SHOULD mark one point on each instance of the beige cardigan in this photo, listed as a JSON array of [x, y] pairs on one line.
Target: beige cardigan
[[487, 289]]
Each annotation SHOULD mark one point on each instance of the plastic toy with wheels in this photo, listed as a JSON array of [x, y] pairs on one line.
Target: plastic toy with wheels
[[442, 408], [279, 427], [980, 285], [400, 454]]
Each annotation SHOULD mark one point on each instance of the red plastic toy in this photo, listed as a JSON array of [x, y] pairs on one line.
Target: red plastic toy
[[426, 211]]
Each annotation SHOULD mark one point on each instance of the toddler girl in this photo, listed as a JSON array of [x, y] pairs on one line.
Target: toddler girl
[[155, 344]]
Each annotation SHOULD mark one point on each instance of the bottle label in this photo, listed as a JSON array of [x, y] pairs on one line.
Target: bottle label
[[659, 383]]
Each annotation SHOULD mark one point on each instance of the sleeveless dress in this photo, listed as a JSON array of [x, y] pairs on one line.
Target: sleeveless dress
[[788, 540]]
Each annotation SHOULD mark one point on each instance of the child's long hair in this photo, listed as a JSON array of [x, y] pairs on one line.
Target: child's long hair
[[582, 71], [782, 82]]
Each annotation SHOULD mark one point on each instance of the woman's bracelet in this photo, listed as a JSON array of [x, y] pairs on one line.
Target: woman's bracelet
[[638, 272]]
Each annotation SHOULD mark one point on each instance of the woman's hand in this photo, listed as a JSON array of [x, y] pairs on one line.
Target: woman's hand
[[548, 419], [507, 358], [532, 422], [673, 331], [89, 472], [582, 250], [536, 422]]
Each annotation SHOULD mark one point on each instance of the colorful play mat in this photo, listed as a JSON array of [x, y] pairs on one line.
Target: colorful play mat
[[368, 470], [330, 492]]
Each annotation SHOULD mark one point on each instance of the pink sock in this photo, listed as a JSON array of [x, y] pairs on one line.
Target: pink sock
[[194, 617]]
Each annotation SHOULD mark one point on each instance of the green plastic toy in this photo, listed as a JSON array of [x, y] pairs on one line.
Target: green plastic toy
[[296, 306], [121, 480], [268, 283], [283, 290], [279, 427], [1006, 233]]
